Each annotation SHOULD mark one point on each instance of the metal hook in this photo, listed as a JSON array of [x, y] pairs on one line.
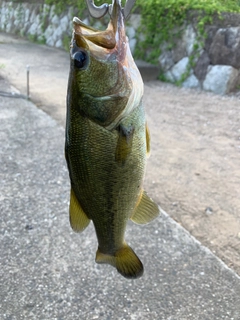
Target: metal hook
[[95, 11], [128, 7], [100, 11]]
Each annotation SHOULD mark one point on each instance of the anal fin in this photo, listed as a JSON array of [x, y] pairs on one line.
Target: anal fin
[[146, 211], [78, 218]]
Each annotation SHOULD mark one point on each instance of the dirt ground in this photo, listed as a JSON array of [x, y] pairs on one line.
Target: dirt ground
[[194, 169]]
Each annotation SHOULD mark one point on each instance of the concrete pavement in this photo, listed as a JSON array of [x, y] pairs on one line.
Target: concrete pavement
[[48, 272]]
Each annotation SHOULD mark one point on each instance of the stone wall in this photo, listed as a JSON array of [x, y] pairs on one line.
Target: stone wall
[[38, 22], [216, 63], [41, 23]]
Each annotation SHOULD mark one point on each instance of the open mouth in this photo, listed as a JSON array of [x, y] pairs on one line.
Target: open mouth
[[85, 36]]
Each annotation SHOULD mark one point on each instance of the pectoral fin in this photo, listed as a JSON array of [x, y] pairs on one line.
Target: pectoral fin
[[78, 218], [124, 144], [148, 140], [146, 211]]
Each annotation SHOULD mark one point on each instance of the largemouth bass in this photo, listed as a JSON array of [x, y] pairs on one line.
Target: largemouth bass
[[107, 141]]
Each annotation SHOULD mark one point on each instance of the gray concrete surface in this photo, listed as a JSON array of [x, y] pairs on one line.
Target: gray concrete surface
[[48, 272]]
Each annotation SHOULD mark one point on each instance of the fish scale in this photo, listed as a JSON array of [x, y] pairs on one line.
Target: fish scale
[[107, 142]]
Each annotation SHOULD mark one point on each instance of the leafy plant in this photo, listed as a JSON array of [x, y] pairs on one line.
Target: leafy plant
[[162, 20], [66, 42]]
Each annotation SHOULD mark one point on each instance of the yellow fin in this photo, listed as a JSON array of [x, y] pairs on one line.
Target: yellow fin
[[148, 140], [124, 260], [146, 211], [78, 218], [124, 144]]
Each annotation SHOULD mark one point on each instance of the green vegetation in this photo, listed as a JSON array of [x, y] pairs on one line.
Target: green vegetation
[[61, 5], [66, 42], [162, 22], [34, 38], [160, 19], [166, 15]]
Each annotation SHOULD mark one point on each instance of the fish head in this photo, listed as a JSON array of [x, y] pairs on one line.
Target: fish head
[[104, 84]]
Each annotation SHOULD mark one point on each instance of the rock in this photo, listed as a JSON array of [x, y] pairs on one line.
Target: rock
[[166, 60], [7, 18], [9, 27], [225, 48], [135, 20], [132, 44], [33, 16], [55, 21], [189, 38], [18, 16], [52, 12], [211, 32], [184, 44], [73, 12], [59, 44], [48, 33], [34, 27], [64, 23], [191, 82], [179, 50], [57, 34], [209, 210], [86, 21], [201, 67], [27, 15], [130, 32], [169, 76], [50, 41], [178, 70], [221, 79]]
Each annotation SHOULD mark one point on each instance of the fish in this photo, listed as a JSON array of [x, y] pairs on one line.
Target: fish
[[107, 141]]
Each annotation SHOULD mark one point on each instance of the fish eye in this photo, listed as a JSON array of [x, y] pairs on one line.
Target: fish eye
[[80, 59]]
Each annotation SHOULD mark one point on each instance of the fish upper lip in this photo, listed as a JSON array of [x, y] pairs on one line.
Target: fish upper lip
[[78, 21]]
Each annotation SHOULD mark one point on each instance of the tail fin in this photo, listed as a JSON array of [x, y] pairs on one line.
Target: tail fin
[[124, 260]]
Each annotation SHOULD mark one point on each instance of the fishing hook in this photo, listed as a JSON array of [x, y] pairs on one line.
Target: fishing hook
[[95, 11], [100, 11]]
